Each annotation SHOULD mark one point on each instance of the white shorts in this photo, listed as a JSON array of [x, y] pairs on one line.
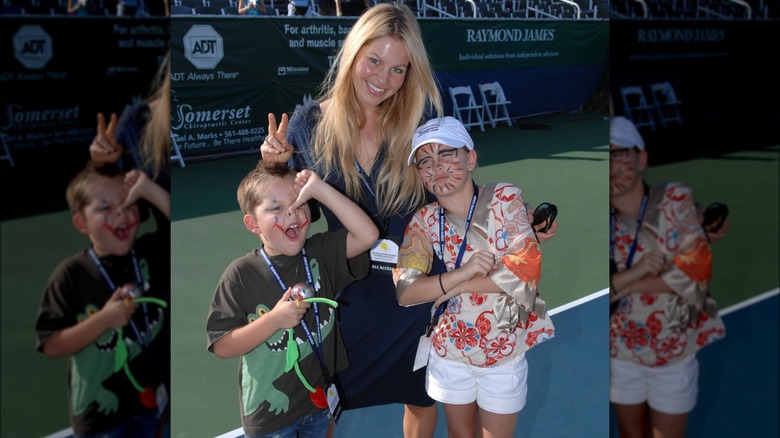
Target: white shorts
[[500, 389], [671, 389]]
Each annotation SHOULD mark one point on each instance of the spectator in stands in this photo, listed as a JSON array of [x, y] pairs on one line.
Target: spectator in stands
[[664, 312], [352, 8], [126, 8], [251, 7], [79, 7], [357, 136], [327, 8], [299, 8]]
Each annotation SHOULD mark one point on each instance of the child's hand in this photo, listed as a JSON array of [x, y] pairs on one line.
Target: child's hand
[[275, 148], [104, 148], [714, 236], [118, 309], [480, 264], [652, 263], [305, 185], [549, 234], [135, 183], [289, 313]]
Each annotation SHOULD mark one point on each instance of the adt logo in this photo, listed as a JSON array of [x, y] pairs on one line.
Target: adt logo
[[32, 46], [203, 46]]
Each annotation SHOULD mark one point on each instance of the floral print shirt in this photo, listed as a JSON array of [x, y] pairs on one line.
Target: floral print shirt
[[657, 329], [470, 330]]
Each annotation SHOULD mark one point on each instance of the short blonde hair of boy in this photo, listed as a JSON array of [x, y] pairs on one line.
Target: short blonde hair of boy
[[81, 189], [251, 190]]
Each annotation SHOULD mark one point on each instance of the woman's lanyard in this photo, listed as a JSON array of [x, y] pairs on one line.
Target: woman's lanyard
[[306, 329], [612, 222], [112, 286], [461, 251]]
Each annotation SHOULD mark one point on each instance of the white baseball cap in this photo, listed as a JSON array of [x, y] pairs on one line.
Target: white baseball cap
[[623, 133], [446, 130]]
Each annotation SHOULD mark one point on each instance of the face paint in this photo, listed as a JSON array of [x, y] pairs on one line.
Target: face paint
[[442, 168], [272, 216], [623, 170]]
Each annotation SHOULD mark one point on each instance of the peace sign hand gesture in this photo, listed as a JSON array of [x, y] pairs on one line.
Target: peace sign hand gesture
[[104, 148], [275, 147]]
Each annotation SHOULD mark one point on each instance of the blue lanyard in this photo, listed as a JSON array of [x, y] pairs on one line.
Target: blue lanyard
[[363, 179], [632, 249], [461, 250], [112, 286], [306, 329]]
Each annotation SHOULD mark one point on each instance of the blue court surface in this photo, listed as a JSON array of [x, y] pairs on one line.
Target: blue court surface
[[738, 389]]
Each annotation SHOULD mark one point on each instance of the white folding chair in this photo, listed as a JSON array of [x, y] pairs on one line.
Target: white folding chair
[[636, 108], [667, 106], [6, 152], [175, 152], [494, 104], [463, 101]]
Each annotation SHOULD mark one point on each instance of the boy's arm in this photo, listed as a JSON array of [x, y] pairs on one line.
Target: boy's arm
[[114, 314], [471, 277], [646, 284], [362, 233], [242, 340], [139, 185]]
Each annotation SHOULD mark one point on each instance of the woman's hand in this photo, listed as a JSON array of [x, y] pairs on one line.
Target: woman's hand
[[104, 148], [275, 147]]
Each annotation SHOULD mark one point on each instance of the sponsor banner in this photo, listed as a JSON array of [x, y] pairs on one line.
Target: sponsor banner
[[216, 59], [52, 92], [461, 45], [719, 69], [224, 118]]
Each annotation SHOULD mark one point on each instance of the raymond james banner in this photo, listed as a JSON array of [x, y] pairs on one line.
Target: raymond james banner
[[719, 69], [57, 73], [228, 73]]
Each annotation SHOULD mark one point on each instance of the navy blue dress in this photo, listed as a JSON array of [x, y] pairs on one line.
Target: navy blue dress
[[380, 335]]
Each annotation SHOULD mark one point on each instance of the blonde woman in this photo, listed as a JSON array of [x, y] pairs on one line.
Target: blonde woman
[[357, 136], [141, 136]]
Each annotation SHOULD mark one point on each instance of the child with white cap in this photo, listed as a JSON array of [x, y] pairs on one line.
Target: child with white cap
[[660, 268], [488, 311]]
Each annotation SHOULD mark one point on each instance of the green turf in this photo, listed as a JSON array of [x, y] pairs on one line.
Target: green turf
[[745, 262]]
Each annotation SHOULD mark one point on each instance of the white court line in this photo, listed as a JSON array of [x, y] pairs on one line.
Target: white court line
[[64, 433], [579, 301], [233, 433], [733, 308], [748, 302]]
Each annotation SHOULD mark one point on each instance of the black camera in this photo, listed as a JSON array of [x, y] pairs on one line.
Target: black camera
[[545, 211], [714, 216]]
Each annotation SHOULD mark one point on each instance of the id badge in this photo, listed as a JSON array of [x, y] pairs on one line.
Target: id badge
[[334, 403], [384, 255], [423, 348]]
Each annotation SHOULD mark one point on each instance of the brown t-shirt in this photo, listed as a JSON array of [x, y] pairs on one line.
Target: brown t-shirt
[[272, 398]]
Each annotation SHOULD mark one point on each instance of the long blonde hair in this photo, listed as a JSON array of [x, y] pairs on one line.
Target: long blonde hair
[[155, 147], [336, 138]]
